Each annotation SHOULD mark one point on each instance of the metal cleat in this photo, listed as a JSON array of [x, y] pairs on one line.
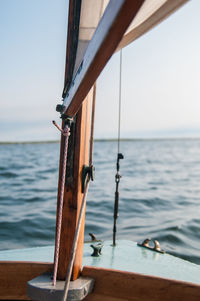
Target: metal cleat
[[96, 249]]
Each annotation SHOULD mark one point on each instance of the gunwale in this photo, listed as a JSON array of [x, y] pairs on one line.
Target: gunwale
[[132, 273]]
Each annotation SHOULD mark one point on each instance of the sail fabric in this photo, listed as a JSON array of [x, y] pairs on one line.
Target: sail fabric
[[91, 13], [150, 14]]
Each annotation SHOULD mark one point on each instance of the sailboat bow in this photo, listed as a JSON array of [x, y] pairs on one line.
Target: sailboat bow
[[96, 30]]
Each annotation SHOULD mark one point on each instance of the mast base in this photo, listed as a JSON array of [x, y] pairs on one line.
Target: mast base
[[41, 288]]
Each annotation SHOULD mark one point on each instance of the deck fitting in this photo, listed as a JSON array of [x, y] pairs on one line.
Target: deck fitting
[[96, 249], [156, 248], [42, 289]]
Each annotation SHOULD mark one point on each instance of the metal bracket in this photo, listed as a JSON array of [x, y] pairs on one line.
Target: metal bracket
[[68, 120], [87, 170], [59, 108]]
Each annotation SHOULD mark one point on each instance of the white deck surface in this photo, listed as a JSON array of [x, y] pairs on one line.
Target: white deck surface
[[126, 256]]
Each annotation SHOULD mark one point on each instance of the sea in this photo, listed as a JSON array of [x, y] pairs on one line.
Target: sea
[[159, 194]]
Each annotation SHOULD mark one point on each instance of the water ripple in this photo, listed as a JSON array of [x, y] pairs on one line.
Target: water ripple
[[159, 194]]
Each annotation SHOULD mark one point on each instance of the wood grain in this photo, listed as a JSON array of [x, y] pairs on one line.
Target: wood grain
[[73, 195], [99, 297], [150, 20], [119, 285], [14, 276]]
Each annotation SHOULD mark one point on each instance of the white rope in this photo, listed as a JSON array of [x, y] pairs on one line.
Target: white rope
[[66, 133]]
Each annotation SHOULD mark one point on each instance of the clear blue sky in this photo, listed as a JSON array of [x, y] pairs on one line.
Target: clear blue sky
[[33, 39], [160, 78]]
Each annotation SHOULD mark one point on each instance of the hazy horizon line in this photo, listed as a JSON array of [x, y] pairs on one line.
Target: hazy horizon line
[[102, 140]]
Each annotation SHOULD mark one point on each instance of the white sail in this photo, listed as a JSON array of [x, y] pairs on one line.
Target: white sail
[[151, 13]]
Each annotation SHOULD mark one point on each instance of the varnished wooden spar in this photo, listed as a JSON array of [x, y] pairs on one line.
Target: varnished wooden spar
[[150, 15], [78, 155], [73, 193], [117, 17], [113, 285]]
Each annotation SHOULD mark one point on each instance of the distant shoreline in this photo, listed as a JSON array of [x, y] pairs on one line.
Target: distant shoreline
[[103, 140], [28, 142]]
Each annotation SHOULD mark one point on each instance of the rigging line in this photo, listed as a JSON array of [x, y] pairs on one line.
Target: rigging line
[[66, 133], [119, 156], [92, 125], [74, 246], [120, 98]]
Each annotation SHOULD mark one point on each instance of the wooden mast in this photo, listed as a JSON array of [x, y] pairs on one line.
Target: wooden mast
[[73, 194], [77, 157]]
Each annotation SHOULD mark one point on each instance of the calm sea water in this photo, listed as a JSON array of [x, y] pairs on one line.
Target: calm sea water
[[159, 194]]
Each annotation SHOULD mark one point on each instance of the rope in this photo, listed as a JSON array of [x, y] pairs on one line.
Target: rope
[[74, 246], [65, 132]]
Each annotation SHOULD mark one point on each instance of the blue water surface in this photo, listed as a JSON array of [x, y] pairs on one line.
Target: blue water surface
[[159, 194]]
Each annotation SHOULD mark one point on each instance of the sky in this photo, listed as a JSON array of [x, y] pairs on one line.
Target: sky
[[160, 75]]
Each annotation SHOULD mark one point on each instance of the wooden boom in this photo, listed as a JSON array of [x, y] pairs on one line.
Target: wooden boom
[[115, 21]]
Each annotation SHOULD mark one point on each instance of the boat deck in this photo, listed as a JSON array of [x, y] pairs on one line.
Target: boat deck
[[126, 256]]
